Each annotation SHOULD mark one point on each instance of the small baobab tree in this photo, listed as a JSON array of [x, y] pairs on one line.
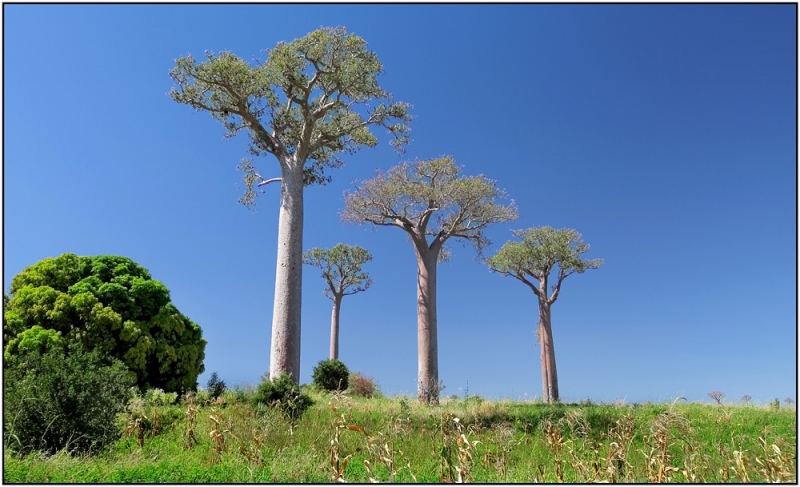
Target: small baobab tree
[[341, 269], [717, 396], [542, 250], [312, 100], [432, 203]]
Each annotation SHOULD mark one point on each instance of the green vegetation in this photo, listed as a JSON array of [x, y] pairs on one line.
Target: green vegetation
[[331, 375], [109, 304], [61, 400], [356, 439], [283, 394]]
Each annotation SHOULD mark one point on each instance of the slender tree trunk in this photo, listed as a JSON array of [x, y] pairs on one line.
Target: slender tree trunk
[[337, 304], [545, 362], [548, 355], [427, 344], [285, 347]]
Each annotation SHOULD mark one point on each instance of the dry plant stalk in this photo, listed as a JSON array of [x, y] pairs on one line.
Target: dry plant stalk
[[217, 437], [555, 443], [455, 440], [191, 420], [337, 463], [659, 458]]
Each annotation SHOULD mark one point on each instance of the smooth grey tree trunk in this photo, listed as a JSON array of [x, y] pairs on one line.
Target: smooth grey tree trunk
[[548, 354], [337, 304], [427, 344], [285, 346]]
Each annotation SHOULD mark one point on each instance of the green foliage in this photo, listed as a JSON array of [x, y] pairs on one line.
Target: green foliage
[[59, 400], [156, 397], [411, 193], [314, 98], [36, 339], [215, 386], [284, 394], [331, 375], [110, 304], [541, 250], [341, 268], [361, 385]]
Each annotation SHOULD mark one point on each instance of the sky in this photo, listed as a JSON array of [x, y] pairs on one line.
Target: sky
[[665, 134]]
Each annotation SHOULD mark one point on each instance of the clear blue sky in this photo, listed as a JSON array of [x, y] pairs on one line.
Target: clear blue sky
[[665, 134]]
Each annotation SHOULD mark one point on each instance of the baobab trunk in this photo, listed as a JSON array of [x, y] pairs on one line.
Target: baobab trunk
[[337, 304], [548, 355], [285, 346], [427, 345]]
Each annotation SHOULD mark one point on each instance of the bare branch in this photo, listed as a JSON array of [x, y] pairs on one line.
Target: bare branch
[[267, 181]]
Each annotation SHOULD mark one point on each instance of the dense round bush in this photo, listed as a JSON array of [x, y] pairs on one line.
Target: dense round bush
[[63, 400], [361, 385], [284, 394], [331, 375], [109, 304]]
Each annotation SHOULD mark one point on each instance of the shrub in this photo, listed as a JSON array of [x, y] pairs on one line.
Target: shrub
[[241, 393], [331, 375], [361, 385], [157, 397], [64, 400], [215, 386], [284, 394]]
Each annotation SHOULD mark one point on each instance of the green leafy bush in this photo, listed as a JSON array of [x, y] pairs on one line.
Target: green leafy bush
[[63, 400], [105, 303], [361, 385], [331, 375], [284, 394]]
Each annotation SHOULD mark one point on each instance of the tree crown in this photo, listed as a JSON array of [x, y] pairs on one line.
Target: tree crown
[[341, 268], [540, 251], [311, 100], [109, 304], [430, 199]]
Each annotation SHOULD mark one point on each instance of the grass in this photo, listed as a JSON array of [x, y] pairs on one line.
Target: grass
[[473, 440]]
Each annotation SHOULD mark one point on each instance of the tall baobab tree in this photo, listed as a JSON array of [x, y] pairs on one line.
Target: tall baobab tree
[[312, 99], [432, 203], [341, 269], [541, 250]]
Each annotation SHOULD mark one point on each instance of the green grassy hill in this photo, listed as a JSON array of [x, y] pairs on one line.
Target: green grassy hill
[[474, 440]]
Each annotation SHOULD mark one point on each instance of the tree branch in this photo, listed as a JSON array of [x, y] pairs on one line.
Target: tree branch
[[265, 182]]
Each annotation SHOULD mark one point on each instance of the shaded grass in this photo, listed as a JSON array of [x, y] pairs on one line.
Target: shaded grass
[[397, 439]]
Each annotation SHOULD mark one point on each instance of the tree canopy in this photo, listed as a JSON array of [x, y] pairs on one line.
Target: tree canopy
[[311, 100], [430, 199], [341, 268], [541, 250], [110, 304]]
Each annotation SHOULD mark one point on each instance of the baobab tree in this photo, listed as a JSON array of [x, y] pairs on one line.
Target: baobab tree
[[341, 269], [312, 99], [432, 203], [541, 250]]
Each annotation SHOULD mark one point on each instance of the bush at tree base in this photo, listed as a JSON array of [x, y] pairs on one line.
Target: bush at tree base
[[284, 394], [331, 375], [64, 400]]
